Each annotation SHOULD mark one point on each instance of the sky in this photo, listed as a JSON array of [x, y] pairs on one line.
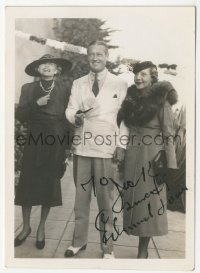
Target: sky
[[160, 35], [156, 34]]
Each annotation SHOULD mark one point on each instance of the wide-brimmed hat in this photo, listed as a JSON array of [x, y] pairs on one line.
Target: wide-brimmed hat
[[31, 69], [142, 65]]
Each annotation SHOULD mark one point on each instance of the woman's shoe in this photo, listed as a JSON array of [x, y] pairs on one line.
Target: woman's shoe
[[18, 241], [40, 244]]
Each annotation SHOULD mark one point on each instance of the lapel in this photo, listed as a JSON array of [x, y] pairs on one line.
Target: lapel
[[59, 95], [109, 89], [106, 85], [86, 83], [33, 91]]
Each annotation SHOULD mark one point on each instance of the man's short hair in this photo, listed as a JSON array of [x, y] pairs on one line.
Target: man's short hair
[[98, 42]]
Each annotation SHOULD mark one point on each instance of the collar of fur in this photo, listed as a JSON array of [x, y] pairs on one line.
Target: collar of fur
[[159, 92], [140, 106]]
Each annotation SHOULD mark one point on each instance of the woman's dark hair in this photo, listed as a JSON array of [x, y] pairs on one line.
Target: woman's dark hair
[[139, 66], [154, 74]]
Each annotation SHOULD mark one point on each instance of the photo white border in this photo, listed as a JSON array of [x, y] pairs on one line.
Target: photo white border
[[9, 151]]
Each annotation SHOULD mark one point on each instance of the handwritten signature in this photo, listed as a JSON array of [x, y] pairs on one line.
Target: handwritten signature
[[119, 204]]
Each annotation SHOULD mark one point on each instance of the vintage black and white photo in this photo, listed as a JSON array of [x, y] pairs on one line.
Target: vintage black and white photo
[[102, 119]]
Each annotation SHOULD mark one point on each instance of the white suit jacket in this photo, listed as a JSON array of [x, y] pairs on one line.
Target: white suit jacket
[[99, 135]]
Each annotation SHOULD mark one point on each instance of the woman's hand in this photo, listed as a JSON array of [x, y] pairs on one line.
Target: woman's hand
[[43, 100], [171, 173]]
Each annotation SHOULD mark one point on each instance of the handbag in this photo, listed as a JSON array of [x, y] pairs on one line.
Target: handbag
[[159, 165]]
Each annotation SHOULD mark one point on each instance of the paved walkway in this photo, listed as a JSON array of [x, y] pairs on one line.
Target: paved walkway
[[60, 225]]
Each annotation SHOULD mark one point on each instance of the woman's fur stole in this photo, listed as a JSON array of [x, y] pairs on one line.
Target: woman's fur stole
[[141, 106]]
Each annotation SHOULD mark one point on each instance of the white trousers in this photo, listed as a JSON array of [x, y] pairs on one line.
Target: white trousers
[[97, 171]]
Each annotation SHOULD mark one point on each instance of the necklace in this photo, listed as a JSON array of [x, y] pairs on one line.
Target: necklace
[[49, 89]]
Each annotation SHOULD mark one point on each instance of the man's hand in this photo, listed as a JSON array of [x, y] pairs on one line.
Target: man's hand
[[119, 155], [43, 100], [79, 119], [68, 154]]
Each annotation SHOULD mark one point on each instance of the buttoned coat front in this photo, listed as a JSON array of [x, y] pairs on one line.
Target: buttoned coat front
[[99, 135], [44, 145]]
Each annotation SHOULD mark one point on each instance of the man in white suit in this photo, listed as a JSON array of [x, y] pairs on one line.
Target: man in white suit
[[97, 143]]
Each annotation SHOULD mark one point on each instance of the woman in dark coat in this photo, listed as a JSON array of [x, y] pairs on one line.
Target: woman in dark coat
[[147, 112], [42, 106]]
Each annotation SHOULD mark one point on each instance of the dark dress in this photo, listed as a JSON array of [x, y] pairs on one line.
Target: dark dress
[[46, 141]]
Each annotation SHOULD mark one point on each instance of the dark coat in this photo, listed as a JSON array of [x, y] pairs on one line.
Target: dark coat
[[45, 144]]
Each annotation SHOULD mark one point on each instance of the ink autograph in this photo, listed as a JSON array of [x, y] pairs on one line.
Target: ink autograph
[[126, 205]]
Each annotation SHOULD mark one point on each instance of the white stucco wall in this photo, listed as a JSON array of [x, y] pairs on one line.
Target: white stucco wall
[[27, 51]]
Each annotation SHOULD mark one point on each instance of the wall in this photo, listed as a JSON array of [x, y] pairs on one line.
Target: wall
[[28, 51]]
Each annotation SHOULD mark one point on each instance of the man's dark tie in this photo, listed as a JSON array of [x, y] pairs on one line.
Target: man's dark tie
[[95, 87]]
